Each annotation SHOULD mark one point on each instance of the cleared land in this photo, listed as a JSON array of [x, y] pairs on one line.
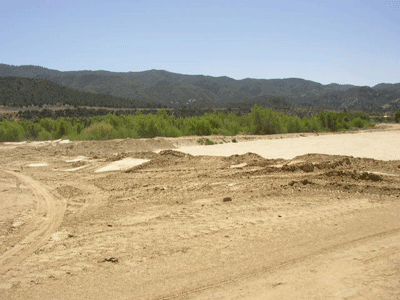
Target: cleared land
[[308, 217]]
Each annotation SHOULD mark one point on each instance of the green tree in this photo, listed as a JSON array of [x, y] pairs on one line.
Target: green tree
[[63, 127], [48, 124], [11, 131], [264, 121], [99, 131], [332, 121], [397, 116]]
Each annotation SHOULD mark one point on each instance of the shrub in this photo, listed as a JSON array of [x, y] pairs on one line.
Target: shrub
[[98, 131], [48, 124], [357, 122], [293, 124], [332, 121], [264, 121], [397, 116], [206, 142], [63, 128], [11, 131], [44, 135], [147, 127], [31, 129]]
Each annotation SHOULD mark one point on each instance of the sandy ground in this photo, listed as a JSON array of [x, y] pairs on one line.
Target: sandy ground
[[296, 216]]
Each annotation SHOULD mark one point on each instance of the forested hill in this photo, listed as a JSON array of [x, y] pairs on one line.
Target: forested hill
[[19, 92], [198, 91]]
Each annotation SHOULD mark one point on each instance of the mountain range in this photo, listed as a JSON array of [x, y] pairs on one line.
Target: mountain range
[[200, 91]]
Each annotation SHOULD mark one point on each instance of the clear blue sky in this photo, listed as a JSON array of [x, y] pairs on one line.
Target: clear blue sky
[[327, 41]]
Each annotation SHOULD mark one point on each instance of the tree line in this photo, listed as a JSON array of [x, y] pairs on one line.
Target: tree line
[[138, 125]]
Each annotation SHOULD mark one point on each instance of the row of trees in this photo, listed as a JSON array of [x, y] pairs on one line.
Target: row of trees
[[258, 121]]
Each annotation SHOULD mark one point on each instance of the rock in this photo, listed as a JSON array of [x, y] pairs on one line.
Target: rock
[[305, 181], [306, 167], [370, 176], [287, 167], [113, 260], [227, 199]]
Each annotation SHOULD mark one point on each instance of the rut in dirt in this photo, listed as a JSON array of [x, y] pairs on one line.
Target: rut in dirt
[[45, 221]]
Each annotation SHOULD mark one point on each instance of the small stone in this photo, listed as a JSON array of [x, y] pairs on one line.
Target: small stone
[[307, 167], [113, 260], [227, 199]]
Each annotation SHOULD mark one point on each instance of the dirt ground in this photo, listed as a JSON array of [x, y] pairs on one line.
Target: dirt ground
[[300, 217]]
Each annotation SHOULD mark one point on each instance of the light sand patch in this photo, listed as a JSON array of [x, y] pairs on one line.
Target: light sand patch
[[65, 142], [377, 145], [38, 165], [59, 236], [42, 143], [15, 143], [239, 165], [123, 164], [37, 143]]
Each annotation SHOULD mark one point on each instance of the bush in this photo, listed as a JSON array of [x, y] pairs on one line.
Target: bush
[[63, 128], [357, 122], [48, 124], [31, 129], [397, 116], [332, 121], [147, 127], [98, 131], [206, 142], [293, 124], [44, 135], [264, 121], [11, 131]]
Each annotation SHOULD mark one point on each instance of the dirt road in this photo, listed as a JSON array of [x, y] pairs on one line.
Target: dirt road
[[178, 226]]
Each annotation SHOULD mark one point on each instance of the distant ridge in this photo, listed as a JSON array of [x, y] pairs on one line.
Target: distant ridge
[[21, 91], [199, 91]]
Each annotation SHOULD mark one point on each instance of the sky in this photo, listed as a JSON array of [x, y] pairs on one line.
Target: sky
[[346, 42]]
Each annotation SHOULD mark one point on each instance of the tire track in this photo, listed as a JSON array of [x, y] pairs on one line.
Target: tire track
[[47, 218], [189, 293]]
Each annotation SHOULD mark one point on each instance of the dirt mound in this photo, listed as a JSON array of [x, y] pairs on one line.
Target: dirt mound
[[144, 155], [303, 166], [173, 153], [333, 164], [324, 161], [244, 158], [116, 156], [162, 159], [251, 160], [355, 175]]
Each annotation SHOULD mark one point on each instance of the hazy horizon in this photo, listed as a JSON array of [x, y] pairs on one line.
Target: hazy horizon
[[196, 75]]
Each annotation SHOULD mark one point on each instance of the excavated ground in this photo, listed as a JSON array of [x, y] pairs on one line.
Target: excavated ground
[[170, 225]]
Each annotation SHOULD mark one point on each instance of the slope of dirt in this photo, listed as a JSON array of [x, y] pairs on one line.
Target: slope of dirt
[[181, 226]]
